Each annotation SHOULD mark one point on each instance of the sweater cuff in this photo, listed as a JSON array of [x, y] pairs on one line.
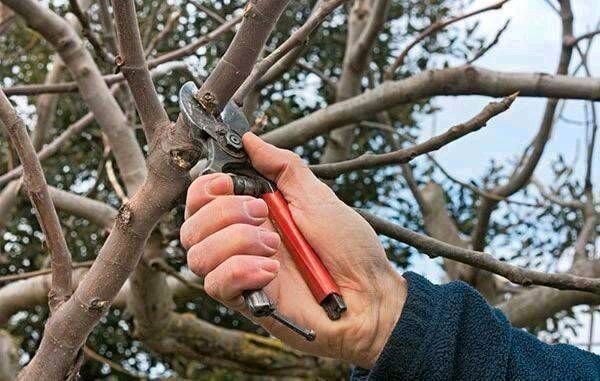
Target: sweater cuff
[[405, 348]]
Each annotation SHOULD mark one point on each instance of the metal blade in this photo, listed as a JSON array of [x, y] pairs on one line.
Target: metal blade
[[234, 117]]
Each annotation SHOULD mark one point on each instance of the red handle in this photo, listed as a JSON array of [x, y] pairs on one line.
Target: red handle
[[311, 267]]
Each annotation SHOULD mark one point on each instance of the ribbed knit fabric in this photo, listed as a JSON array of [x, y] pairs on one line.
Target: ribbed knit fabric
[[449, 332]]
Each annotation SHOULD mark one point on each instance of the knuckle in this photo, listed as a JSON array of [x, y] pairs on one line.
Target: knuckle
[[231, 209], [294, 160], [235, 272]]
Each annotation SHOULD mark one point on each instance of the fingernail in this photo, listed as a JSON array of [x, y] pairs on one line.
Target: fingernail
[[269, 265], [256, 208], [269, 239], [218, 186]]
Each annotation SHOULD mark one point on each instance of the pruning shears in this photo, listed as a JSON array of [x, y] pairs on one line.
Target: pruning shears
[[220, 140]]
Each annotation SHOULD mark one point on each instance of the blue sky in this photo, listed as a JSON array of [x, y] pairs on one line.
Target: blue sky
[[531, 44]]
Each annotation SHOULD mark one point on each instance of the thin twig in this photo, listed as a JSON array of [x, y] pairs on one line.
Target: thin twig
[[161, 265], [114, 181], [553, 198], [492, 43], [169, 25], [433, 29], [584, 36], [332, 170], [53, 147], [32, 274], [310, 68], [89, 353], [209, 12], [37, 190]]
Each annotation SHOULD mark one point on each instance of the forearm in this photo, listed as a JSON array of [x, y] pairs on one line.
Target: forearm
[[450, 332]]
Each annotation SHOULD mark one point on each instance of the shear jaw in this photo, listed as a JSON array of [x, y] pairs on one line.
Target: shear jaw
[[222, 144]]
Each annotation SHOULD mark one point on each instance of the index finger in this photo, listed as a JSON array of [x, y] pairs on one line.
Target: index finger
[[205, 189]]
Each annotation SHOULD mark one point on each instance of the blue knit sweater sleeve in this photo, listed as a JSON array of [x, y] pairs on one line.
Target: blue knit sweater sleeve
[[449, 332]]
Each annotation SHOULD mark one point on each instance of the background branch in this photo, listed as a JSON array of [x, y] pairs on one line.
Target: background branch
[[37, 189]]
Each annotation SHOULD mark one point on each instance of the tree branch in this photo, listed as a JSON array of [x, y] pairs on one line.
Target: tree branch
[[132, 62], [169, 25], [94, 91], [521, 176], [53, 147], [9, 355], [169, 163], [239, 59], [89, 34], [296, 39], [108, 29], [183, 335], [37, 189], [432, 30], [33, 274], [525, 277], [331, 170], [116, 78], [574, 204], [89, 353], [465, 80], [76, 127]]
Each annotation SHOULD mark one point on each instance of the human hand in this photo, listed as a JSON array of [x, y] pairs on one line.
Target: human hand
[[232, 243]]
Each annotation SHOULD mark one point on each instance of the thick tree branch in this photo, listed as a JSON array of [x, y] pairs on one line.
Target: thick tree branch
[[26, 294], [364, 21], [239, 59], [37, 189], [169, 163], [76, 127], [116, 78], [9, 356], [432, 30], [525, 277], [94, 91], [403, 156], [368, 35], [297, 38], [132, 62], [465, 80], [94, 211]]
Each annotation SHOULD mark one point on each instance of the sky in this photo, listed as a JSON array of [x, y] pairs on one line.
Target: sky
[[530, 44]]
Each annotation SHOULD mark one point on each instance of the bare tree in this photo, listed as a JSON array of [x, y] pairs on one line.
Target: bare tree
[[112, 63]]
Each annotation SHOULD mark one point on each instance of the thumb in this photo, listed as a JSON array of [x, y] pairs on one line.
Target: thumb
[[286, 169]]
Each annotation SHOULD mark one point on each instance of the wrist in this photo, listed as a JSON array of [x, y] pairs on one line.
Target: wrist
[[385, 310]]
